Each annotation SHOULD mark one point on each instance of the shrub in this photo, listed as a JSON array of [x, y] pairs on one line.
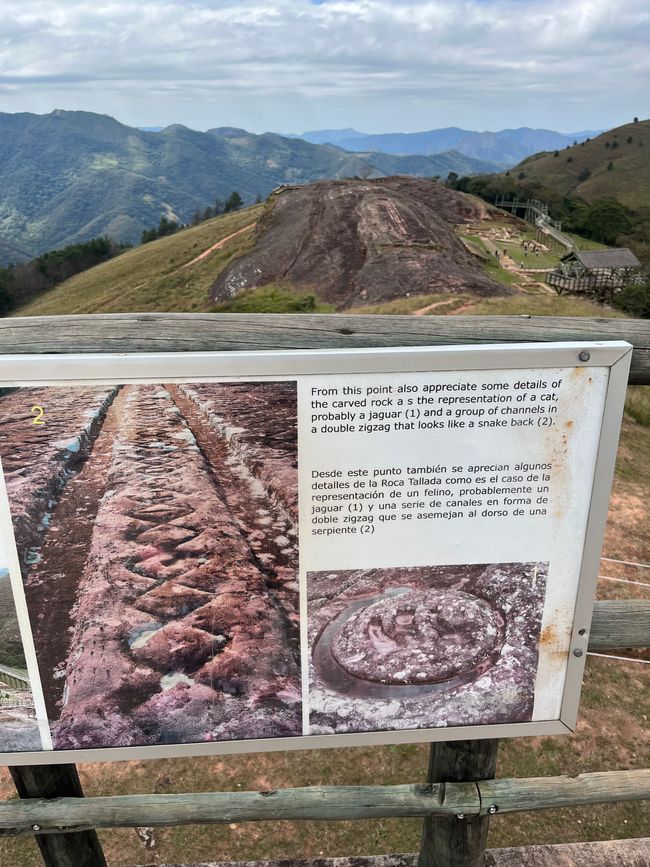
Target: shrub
[[273, 299], [635, 300]]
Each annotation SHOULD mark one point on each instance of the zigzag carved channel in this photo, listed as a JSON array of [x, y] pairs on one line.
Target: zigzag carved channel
[[160, 559]]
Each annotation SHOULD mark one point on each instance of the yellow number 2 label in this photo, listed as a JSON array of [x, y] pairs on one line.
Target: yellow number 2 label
[[38, 412]]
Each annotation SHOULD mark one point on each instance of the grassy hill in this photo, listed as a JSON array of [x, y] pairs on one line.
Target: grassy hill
[[152, 276], [583, 169], [69, 176], [176, 273]]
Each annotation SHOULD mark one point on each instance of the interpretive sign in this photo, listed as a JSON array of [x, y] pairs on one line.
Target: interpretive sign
[[226, 552]]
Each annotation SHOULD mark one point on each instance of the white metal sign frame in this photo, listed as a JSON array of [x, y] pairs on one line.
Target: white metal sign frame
[[615, 356]]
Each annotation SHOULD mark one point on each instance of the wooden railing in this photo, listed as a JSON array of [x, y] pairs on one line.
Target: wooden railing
[[460, 793]]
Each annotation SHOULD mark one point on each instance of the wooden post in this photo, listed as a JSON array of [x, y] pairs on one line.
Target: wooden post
[[81, 849], [459, 841]]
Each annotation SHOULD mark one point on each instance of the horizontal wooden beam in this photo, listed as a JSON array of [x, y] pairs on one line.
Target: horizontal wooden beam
[[620, 623], [39, 816], [26, 817], [194, 332], [622, 853], [547, 793]]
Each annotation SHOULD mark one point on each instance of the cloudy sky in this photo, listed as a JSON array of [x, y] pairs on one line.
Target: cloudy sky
[[294, 65]]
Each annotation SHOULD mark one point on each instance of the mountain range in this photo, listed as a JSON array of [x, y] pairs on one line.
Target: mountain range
[[69, 176], [505, 148]]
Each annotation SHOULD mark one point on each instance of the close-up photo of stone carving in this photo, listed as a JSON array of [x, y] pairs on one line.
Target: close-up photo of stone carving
[[423, 647], [156, 527]]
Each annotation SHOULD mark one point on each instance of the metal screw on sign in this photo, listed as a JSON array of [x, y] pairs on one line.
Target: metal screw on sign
[[492, 809], [577, 652], [584, 355]]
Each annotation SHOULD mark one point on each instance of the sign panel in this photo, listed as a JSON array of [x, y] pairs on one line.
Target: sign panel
[[231, 552]]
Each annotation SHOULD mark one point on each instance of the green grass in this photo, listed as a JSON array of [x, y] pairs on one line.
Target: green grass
[[513, 305], [637, 404], [404, 306], [494, 270], [497, 272], [541, 305], [530, 260], [585, 243], [273, 299], [151, 277]]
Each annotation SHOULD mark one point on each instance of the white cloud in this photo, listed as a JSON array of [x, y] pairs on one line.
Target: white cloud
[[369, 63]]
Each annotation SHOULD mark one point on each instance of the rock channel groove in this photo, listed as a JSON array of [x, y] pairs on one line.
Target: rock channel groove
[[264, 511], [184, 624]]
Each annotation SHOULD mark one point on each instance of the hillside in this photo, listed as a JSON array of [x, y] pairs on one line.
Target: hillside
[[356, 242], [69, 176], [583, 170], [155, 276], [349, 242], [439, 164]]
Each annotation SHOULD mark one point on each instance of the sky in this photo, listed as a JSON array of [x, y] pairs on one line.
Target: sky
[[296, 65]]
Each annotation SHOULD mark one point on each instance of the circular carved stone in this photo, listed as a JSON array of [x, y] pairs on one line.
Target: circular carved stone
[[418, 637]]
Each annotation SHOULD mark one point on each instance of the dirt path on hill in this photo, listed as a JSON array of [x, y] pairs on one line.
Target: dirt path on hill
[[214, 247], [422, 311], [162, 583]]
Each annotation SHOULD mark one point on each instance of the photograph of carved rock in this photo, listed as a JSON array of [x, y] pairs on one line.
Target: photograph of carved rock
[[157, 530], [423, 647], [18, 727]]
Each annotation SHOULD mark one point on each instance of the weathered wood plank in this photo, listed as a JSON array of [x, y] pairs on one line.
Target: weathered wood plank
[[621, 853], [57, 849], [547, 793], [620, 624], [458, 840], [318, 802], [176, 332], [18, 818]]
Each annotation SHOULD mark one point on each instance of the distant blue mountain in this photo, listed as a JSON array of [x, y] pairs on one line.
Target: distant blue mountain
[[505, 148], [329, 136]]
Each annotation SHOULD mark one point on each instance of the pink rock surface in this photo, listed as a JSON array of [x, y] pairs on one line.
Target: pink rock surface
[[179, 632], [36, 458]]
